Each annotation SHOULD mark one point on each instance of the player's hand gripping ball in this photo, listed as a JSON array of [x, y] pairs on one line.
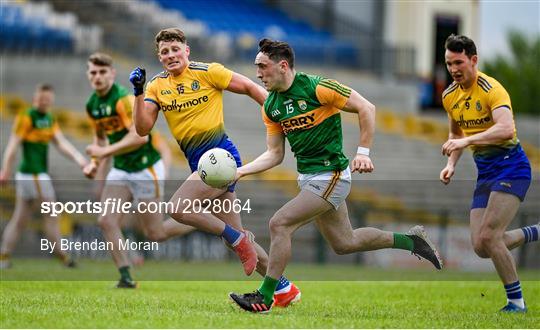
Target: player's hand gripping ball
[[217, 168]]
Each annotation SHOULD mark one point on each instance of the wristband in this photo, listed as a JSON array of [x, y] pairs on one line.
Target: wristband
[[362, 151], [138, 91], [94, 160]]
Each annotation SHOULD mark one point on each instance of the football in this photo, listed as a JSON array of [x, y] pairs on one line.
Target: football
[[217, 168]]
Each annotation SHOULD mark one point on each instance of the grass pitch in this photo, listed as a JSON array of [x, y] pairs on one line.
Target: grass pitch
[[185, 303]]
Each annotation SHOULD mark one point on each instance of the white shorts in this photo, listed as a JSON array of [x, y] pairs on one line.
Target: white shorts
[[146, 184], [332, 186], [34, 186]]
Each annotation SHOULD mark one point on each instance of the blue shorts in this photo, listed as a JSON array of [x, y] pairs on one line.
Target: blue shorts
[[508, 172], [226, 144]]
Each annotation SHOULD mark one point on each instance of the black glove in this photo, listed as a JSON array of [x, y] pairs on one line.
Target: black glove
[[138, 78]]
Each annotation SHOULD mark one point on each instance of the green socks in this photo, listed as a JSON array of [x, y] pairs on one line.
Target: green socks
[[267, 289], [402, 241], [124, 273]]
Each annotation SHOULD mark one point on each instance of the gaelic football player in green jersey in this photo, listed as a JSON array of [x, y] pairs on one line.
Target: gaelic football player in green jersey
[[305, 110], [33, 130], [137, 173]]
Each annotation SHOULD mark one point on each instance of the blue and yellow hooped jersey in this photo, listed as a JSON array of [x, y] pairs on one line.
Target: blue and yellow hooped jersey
[[472, 110], [192, 104]]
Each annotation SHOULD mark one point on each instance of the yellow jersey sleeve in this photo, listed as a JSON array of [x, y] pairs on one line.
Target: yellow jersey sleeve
[[331, 92], [124, 108], [272, 128], [151, 92], [55, 127], [498, 97], [219, 76], [23, 125]]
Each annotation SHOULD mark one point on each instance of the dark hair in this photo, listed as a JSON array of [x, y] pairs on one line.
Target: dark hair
[[277, 51], [44, 88], [170, 34], [100, 59], [458, 44]]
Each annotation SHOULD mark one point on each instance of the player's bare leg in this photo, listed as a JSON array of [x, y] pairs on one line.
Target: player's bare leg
[[13, 229], [155, 229], [51, 229], [192, 192], [193, 189], [336, 228], [512, 238], [110, 224], [295, 213], [286, 292], [489, 240], [234, 220]]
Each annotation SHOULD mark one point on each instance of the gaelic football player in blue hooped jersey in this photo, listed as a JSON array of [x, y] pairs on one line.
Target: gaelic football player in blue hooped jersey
[[480, 116], [190, 96]]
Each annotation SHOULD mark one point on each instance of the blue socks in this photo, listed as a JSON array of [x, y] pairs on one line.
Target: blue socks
[[531, 233], [283, 284], [514, 294], [231, 235]]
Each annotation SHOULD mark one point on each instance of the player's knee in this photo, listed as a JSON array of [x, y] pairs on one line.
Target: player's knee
[[277, 225], [341, 248], [485, 244], [479, 250], [156, 236], [179, 217], [106, 224]]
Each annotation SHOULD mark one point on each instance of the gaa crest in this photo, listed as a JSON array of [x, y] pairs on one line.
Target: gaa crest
[[195, 86], [302, 104], [478, 105]]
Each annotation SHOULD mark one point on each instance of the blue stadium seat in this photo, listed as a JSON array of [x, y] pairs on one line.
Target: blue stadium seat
[[22, 33], [238, 17]]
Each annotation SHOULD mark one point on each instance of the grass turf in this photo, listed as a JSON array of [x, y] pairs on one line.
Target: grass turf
[[389, 303]]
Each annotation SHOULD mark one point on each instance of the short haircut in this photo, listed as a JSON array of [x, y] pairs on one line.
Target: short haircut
[[100, 59], [277, 51], [458, 44], [170, 34], [44, 88]]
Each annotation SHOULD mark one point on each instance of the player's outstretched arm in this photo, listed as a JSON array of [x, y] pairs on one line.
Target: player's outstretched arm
[[455, 134], [9, 157], [273, 156], [243, 85], [128, 143], [366, 119], [144, 113], [68, 150]]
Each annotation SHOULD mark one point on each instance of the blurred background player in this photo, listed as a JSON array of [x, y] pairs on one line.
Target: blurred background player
[[130, 225], [34, 129], [305, 109], [137, 173], [480, 115], [190, 96]]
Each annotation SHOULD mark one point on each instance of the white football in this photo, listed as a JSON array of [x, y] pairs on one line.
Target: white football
[[217, 168]]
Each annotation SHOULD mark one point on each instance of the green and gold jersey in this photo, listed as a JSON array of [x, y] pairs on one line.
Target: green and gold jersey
[[111, 115], [36, 130], [471, 110], [308, 114]]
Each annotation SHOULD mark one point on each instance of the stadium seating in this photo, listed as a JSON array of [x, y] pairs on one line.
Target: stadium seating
[[247, 21], [34, 27]]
